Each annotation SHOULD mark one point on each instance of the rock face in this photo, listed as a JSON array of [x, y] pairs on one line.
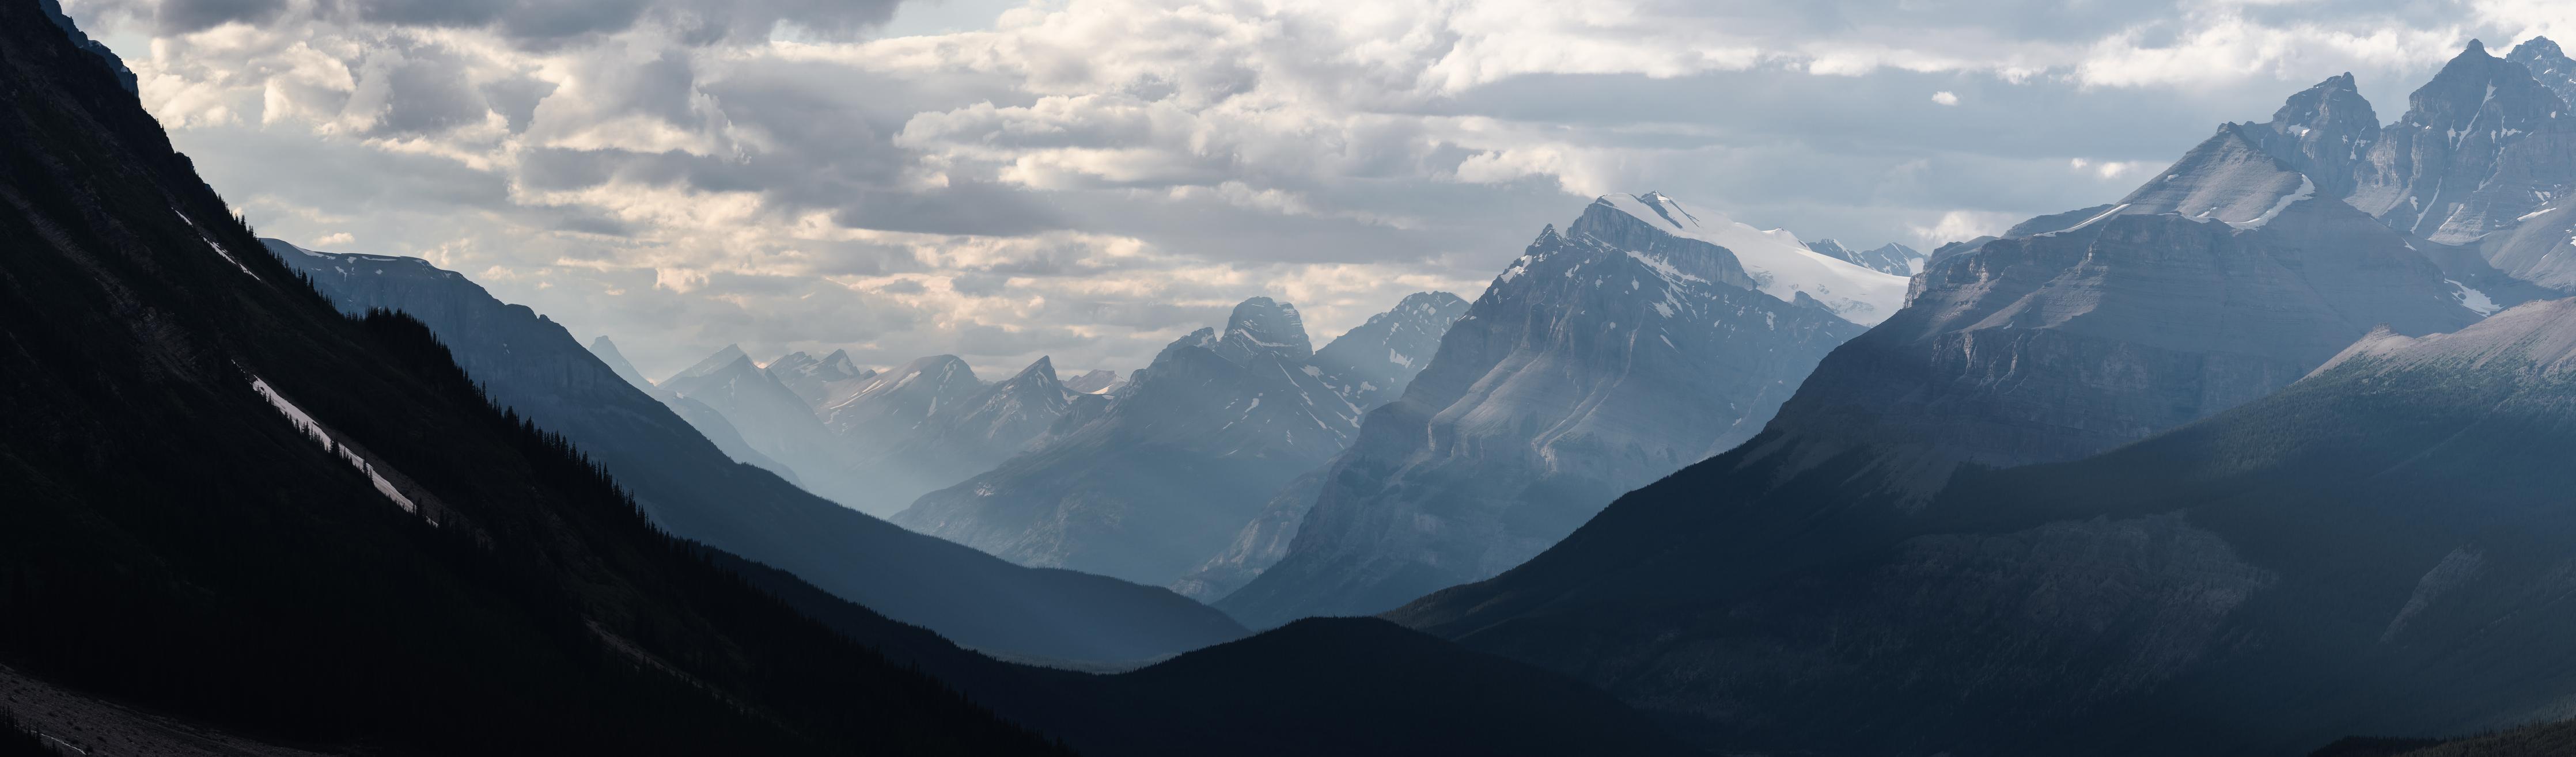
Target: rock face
[[689, 487], [2548, 65], [1887, 258], [2319, 562], [1149, 486], [1372, 364], [2480, 146], [1606, 357]]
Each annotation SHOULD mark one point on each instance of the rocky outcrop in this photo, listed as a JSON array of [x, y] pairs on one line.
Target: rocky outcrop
[[2480, 146], [2548, 65]]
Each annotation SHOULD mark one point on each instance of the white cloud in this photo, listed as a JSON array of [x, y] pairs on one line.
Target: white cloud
[[1962, 225], [2106, 169], [1089, 176]]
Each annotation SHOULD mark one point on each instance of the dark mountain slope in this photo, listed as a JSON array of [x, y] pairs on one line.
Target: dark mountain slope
[[2379, 548], [2223, 280], [172, 540], [2544, 740], [1355, 687], [532, 364]]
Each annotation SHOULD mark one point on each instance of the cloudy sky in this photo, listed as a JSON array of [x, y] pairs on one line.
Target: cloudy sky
[[1003, 179]]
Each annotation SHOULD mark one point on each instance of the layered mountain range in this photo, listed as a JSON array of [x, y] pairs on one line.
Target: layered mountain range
[[877, 440], [1606, 357], [2194, 472], [533, 366], [1149, 486]]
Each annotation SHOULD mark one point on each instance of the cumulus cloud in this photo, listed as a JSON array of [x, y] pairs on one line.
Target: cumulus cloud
[[1089, 178], [1962, 225]]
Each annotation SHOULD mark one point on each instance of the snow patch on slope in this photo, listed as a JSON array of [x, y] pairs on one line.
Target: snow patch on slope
[[304, 422], [217, 246], [2307, 189], [2473, 299], [1780, 265]]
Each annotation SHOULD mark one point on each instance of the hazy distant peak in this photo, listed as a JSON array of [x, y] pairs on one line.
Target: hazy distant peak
[[719, 361], [1263, 326]]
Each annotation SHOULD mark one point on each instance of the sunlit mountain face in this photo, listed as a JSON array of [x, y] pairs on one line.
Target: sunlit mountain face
[[1134, 377]]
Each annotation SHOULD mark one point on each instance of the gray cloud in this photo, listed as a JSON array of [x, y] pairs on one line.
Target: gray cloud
[[182, 16], [1092, 179]]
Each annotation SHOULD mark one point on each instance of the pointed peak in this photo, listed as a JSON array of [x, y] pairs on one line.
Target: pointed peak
[[1041, 372], [2536, 47], [838, 363], [2475, 48], [723, 359]]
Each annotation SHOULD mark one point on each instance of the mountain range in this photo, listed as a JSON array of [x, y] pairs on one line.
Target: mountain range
[[1606, 357], [1153, 486], [534, 367], [2229, 466]]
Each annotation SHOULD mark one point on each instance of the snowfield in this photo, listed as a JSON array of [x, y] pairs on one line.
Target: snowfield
[[1780, 264]]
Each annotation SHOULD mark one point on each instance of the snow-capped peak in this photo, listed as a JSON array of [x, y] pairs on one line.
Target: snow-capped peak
[[1780, 265]]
